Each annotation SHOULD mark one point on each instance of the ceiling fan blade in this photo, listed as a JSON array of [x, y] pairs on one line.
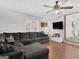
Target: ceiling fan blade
[[47, 6], [63, 1], [50, 11], [68, 7]]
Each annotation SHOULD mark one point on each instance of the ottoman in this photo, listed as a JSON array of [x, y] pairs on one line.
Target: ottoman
[[35, 51]]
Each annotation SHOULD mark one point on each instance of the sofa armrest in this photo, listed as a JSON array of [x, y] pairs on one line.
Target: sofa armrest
[[18, 54]]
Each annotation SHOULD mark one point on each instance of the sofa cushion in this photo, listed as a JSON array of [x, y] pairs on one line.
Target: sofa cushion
[[27, 41], [38, 34], [17, 36], [33, 35], [42, 34], [10, 39], [24, 35]]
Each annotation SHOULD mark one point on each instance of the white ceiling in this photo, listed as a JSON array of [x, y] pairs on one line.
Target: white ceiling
[[34, 7]]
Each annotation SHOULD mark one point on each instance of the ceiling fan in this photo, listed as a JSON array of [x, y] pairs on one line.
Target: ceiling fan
[[57, 7]]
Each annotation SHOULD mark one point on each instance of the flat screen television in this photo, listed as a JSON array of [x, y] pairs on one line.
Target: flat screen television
[[58, 25]]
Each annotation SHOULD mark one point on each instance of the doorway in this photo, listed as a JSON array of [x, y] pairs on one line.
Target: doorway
[[71, 31]]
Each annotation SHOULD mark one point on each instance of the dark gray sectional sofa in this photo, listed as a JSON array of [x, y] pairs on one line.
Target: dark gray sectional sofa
[[31, 51], [29, 37], [30, 47]]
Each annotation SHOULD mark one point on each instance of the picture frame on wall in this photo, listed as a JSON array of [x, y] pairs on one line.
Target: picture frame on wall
[[44, 24]]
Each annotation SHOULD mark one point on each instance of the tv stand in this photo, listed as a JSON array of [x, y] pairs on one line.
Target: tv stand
[[57, 38]]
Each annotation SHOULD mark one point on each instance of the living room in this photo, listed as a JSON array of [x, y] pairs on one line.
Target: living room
[[32, 23]]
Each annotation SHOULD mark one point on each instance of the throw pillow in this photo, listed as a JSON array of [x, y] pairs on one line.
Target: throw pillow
[[4, 47], [10, 40]]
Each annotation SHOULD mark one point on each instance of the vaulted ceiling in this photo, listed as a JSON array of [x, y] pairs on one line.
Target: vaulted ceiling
[[34, 7]]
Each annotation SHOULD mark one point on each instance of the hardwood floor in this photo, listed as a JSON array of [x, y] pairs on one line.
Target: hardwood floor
[[62, 50]]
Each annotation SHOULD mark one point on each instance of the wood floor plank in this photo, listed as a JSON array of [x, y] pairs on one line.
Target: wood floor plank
[[62, 50]]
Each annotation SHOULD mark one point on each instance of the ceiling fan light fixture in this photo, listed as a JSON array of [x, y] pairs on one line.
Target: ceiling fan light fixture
[[57, 11], [56, 8]]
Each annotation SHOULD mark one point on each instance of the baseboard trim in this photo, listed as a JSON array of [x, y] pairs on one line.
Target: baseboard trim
[[72, 43]]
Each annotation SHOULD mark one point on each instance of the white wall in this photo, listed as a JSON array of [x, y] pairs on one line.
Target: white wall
[[52, 19], [32, 24], [11, 22], [14, 22]]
